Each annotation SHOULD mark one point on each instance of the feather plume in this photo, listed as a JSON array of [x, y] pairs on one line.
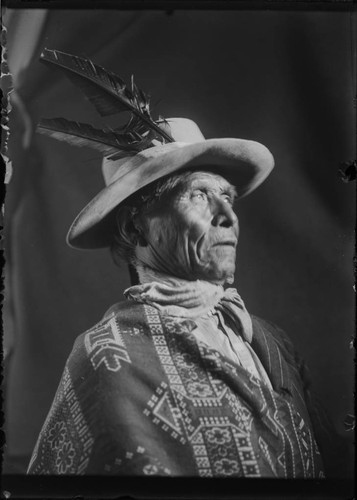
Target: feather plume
[[108, 142], [108, 92]]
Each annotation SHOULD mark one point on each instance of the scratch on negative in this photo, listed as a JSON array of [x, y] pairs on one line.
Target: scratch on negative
[[6, 84]]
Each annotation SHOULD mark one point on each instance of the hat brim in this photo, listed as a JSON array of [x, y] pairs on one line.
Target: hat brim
[[245, 164]]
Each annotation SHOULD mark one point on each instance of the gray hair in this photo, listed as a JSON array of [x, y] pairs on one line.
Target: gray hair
[[124, 237]]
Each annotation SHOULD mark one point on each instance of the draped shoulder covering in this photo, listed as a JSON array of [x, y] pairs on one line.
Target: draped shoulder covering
[[141, 396]]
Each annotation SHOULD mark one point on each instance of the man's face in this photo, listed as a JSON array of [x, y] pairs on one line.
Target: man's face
[[194, 234]]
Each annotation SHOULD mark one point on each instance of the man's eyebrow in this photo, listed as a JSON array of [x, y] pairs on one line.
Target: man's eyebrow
[[230, 190], [204, 184]]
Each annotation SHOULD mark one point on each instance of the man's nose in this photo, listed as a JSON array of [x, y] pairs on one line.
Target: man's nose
[[223, 213]]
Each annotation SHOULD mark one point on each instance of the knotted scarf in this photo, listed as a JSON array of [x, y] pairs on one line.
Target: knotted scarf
[[189, 299]]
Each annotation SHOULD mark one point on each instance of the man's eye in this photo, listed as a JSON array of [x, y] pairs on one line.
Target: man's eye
[[199, 195], [228, 199]]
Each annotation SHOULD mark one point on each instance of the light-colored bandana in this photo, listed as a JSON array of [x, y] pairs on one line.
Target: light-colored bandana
[[189, 299]]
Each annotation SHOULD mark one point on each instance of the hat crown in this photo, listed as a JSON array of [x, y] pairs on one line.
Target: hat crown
[[183, 130]]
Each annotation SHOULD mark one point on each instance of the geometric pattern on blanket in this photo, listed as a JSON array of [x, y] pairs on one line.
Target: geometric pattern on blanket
[[192, 411], [65, 435], [105, 345]]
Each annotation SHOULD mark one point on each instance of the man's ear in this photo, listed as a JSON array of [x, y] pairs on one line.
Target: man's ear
[[139, 232], [129, 227]]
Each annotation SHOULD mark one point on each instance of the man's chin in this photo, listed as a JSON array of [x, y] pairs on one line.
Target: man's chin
[[216, 267]]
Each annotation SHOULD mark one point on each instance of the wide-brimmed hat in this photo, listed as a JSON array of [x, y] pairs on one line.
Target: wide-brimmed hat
[[244, 163]]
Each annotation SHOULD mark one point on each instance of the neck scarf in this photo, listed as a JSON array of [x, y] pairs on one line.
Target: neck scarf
[[189, 299]]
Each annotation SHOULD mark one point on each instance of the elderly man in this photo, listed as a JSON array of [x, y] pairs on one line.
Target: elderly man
[[179, 379]]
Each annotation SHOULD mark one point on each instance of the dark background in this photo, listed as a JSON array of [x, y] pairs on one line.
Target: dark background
[[285, 79]]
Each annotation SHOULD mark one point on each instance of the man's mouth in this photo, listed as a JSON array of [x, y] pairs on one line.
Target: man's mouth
[[227, 243], [231, 243]]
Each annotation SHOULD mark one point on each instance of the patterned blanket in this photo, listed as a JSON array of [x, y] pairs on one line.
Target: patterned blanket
[[141, 396]]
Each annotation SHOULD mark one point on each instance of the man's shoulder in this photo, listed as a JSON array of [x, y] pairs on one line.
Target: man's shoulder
[[120, 323], [127, 311], [123, 308], [273, 333]]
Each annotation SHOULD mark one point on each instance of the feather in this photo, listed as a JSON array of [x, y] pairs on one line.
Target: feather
[[105, 90], [108, 142]]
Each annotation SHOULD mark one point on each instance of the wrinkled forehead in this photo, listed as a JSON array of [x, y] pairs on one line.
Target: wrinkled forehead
[[208, 179]]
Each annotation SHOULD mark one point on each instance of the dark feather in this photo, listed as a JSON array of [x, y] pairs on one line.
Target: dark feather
[[105, 90], [108, 142]]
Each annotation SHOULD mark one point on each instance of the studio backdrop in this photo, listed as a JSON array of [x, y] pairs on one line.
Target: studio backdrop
[[285, 79]]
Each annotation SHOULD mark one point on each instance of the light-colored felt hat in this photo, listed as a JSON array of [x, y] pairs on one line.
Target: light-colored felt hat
[[244, 163]]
